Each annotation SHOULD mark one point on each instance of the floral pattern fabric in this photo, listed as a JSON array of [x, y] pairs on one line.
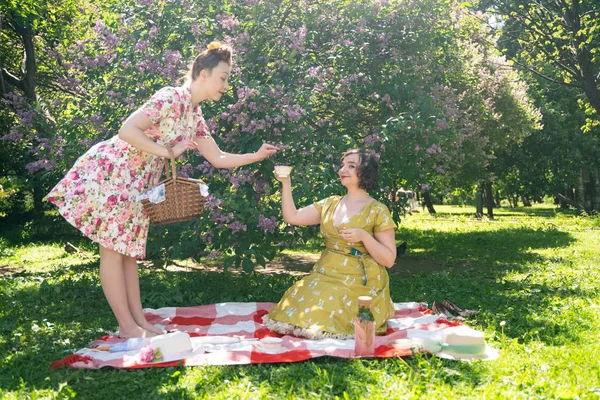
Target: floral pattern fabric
[[98, 195], [326, 299]]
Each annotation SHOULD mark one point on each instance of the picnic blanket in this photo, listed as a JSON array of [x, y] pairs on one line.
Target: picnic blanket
[[229, 333]]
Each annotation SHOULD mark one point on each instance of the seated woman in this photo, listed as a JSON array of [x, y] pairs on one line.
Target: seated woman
[[360, 243]]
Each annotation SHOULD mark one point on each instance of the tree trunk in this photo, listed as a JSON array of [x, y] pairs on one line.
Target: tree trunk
[[394, 205], [489, 199], [588, 75], [497, 198], [596, 203], [428, 203], [38, 196], [26, 78], [479, 202], [580, 192], [526, 202], [562, 200]]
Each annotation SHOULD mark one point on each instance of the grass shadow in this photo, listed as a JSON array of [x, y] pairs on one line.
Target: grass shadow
[[43, 228], [532, 311], [499, 250], [501, 213], [54, 313]]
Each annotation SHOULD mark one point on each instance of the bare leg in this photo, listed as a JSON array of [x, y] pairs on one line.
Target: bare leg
[[132, 282], [112, 277]]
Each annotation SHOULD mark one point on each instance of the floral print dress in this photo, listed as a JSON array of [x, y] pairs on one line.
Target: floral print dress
[[98, 195], [324, 303]]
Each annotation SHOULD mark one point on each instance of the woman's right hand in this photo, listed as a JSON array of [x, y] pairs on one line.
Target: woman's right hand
[[266, 150], [183, 146]]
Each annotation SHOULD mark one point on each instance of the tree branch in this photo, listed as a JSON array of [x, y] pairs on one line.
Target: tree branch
[[541, 29], [554, 80], [12, 80]]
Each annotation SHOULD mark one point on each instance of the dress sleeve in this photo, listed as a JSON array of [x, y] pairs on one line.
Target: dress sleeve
[[202, 131], [384, 220], [322, 204], [160, 104]]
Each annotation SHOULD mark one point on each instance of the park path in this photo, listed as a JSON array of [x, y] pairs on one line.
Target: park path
[[301, 264]]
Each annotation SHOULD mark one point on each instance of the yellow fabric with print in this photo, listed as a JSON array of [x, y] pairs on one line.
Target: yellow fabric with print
[[326, 299]]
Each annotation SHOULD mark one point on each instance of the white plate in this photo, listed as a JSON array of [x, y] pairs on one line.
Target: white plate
[[215, 340], [277, 350]]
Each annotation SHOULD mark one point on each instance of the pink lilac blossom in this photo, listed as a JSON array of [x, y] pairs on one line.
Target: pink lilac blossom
[[207, 169], [228, 22], [268, 225], [207, 237], [442, 124], [44, 164], [237, 226], [212, 254], [14, 135]]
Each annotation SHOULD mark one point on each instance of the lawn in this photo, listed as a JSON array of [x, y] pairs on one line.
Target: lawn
[[534, 274]]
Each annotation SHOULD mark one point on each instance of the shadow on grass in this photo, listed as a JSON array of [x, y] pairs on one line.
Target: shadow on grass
[[503, 212], [499, 250], [71, 300], [328, 377], [49, 227], [530, 310]]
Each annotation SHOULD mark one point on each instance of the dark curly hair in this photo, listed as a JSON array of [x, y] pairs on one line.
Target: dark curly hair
[[210, 58], [368, 168]]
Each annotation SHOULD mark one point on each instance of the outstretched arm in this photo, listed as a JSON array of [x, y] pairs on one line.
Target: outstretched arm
[[219, 159], [304, 216]]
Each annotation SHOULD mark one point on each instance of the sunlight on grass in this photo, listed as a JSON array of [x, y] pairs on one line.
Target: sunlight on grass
[[41, 258], [533, 269]]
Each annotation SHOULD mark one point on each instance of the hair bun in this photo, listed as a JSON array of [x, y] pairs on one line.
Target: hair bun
[[214, 45]]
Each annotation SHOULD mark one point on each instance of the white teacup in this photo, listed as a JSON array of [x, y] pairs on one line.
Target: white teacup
[[283, 171]]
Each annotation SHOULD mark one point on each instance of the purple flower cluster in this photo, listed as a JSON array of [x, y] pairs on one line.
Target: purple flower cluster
[[268, 225], [237, 226], [228, 22], [241, 177]]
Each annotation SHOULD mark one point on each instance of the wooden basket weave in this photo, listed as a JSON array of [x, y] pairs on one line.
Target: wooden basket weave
[[183, 201]]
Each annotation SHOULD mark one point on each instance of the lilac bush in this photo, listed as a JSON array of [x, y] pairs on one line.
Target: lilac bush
[[405, 80]]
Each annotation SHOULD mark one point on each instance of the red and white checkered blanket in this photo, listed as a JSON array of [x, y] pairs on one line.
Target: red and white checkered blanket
[[211, 324]]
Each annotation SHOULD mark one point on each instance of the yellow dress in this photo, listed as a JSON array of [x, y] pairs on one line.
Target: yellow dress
[[324, 303]]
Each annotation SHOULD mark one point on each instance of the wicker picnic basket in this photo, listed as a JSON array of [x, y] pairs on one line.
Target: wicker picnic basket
[[183, 201]]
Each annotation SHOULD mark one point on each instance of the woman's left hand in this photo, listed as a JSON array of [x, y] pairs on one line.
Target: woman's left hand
[[183, 146], [352, 235]]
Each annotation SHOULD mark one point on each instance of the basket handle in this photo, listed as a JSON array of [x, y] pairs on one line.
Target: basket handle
[[171, 173]]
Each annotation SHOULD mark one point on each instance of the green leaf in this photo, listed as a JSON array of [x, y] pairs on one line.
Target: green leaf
[[247, 265]]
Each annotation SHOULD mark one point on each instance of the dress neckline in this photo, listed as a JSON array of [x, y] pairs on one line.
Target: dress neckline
[[347, 218], [188, 94]]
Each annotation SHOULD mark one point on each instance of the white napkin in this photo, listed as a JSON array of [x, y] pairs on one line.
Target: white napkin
[[155, 195], [203, 190]]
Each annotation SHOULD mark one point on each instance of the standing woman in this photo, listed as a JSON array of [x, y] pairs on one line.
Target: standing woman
[[98, 195]]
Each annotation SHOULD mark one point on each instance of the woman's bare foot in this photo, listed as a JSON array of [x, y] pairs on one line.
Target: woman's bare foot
[[149, 327], [135, 332]]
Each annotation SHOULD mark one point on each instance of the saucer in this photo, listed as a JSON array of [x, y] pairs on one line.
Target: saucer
[[270, 345]]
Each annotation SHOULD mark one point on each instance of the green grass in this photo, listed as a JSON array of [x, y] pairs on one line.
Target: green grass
[[533, 268]]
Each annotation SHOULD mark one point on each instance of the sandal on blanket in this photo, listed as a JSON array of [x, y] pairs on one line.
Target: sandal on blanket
[[451, 306], [440, 309]]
